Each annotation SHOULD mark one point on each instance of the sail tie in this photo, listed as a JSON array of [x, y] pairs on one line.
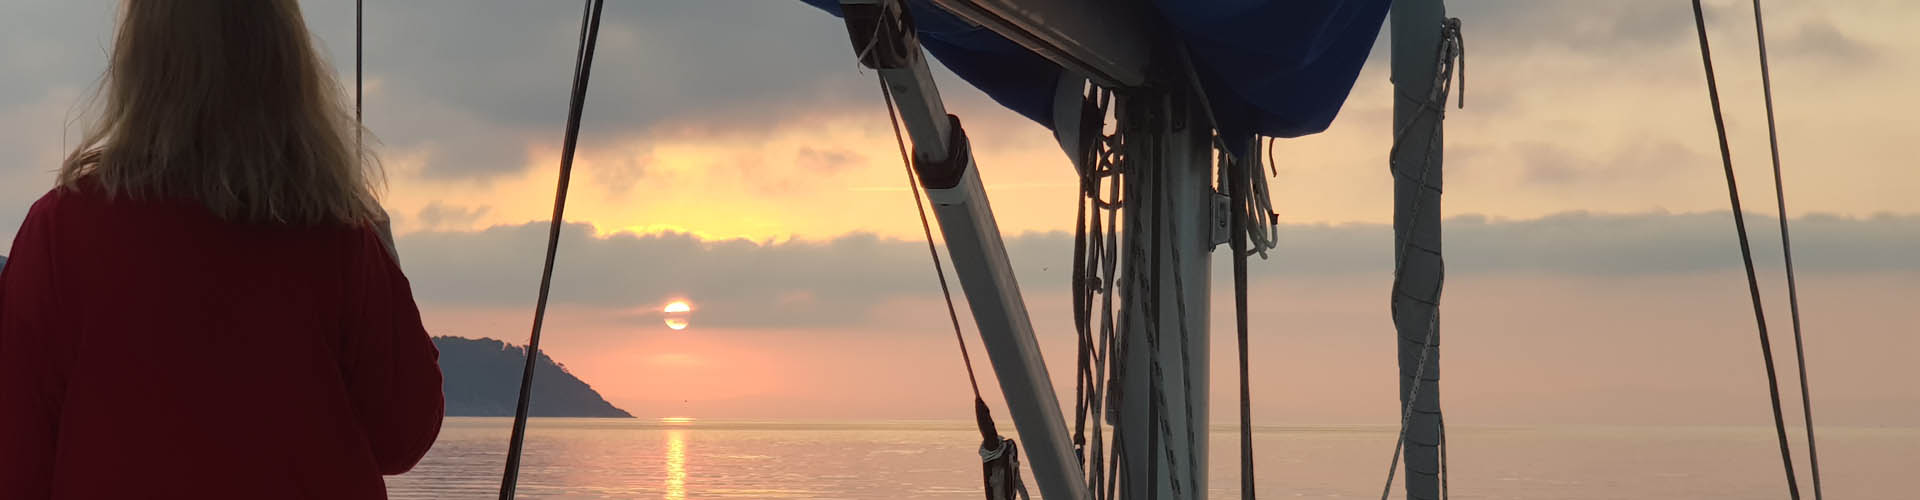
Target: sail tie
[[1746, 251]]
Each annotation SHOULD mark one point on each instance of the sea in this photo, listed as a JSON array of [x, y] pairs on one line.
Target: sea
[[680, 458]]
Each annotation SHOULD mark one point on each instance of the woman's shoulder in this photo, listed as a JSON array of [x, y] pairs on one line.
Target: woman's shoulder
[[49, 204]]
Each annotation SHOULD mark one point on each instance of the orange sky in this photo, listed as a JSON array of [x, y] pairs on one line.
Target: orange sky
[[753, 122]]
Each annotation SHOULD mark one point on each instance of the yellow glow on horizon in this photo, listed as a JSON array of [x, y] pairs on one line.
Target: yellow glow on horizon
[[677, 324]]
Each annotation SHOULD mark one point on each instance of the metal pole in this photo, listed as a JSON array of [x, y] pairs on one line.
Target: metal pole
[[884, 40], [1416, 26], [1169, 150], [986, 276]]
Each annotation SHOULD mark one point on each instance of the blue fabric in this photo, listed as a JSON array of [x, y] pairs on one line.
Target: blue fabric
[[1010, 74], [1270, 67]]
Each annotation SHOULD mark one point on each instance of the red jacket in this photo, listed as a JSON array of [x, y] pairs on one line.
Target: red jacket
[[151, 350]]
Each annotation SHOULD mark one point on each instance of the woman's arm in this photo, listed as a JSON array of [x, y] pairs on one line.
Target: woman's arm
[[31, 361], [392, 368]]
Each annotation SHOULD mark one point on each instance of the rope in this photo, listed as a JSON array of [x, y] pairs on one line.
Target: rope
[[1238, 220], [1093, 252], [1180, 312], [1144, 277], [988, 434], [1786, 248], [1746, 251], [1180, 309], [1449, 48], [583, 66]]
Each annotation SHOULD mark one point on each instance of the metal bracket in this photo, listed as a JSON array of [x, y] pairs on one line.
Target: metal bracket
[[882, 33], [1222, 218]]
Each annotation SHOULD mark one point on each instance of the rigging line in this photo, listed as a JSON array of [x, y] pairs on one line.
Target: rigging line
[[1746, 250], [583, 66], [1080, 316], [1160, 212], [1143, 277], [1110, 248], [913, 184], [1237, 191], [1441, 420], [1786, 249], [1180, 310], [1106, 342]]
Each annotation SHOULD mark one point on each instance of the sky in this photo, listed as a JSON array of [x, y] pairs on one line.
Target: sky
[[734, 155]]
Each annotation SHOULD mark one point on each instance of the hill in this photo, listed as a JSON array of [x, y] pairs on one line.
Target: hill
[[483, 380]]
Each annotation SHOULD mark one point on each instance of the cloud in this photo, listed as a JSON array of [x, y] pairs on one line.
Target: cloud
[[1647, 160], [1823, 42], [827, 161], [437, 215], [838, 281], [475, 81], [1616, 26]]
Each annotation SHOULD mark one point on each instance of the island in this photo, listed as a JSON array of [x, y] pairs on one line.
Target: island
[[482, 379]]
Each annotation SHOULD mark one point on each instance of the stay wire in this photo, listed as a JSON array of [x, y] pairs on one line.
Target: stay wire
[[987, 433], [1746, 250], [1786, 249], [583, 67]]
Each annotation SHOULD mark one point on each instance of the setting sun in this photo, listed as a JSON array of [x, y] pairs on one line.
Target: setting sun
[[677, 313]]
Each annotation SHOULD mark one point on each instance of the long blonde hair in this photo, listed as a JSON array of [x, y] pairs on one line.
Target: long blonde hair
[[226, 102]]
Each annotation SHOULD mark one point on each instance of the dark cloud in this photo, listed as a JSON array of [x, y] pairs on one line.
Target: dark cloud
[[832, 282], [475, 81], [477, 78]]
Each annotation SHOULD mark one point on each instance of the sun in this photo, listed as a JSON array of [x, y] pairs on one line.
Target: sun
[[678, 314]]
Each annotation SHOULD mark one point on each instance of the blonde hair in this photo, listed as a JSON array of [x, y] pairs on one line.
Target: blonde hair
[[227, 103]]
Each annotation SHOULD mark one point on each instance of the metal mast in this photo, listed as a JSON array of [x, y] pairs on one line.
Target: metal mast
[[1418, 107]]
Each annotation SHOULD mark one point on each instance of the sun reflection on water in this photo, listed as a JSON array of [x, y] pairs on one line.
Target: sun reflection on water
[[676, 464]]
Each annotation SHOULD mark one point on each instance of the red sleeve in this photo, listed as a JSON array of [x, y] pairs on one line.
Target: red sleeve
[[32, 360], [392, 368]]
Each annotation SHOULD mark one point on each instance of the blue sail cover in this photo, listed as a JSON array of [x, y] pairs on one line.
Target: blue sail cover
[[1278, 68]]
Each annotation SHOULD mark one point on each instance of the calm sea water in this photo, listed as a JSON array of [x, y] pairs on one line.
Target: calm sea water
[[601, 458]]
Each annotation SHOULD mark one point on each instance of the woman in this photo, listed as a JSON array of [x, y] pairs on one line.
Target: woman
[[203, 306]]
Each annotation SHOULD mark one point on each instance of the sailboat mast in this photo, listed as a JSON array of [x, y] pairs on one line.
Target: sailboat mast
[[1162, 420], [1417, 35]]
